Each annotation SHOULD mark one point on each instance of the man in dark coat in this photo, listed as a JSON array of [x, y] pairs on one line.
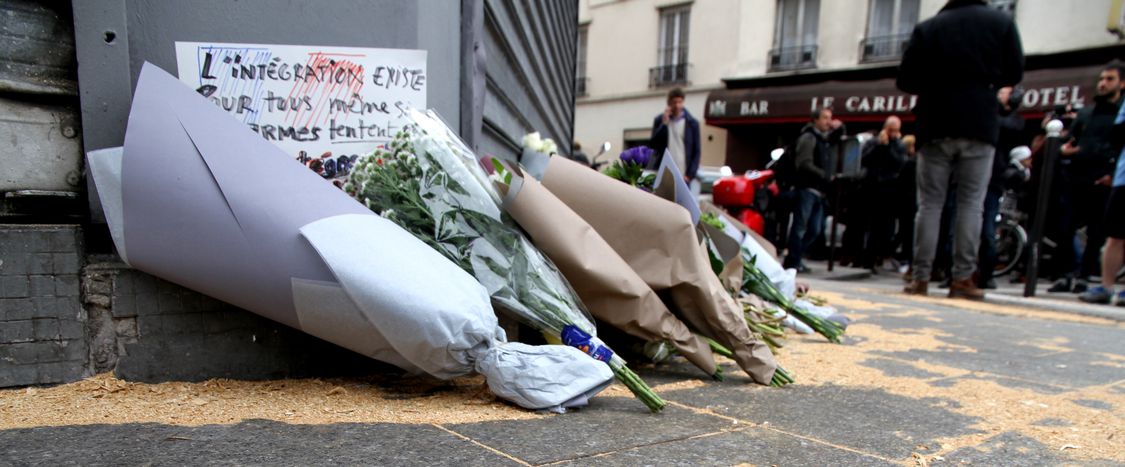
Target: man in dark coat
[[882, 158], [678, 132], [814, 160], [1010, 136], [1087, 163], [955, 62]]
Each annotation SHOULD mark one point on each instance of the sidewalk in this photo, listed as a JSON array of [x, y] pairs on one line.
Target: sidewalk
[[916, 381], [1007, 293]]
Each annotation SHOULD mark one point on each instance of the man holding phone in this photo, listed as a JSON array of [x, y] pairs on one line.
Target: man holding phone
[[678, 132]]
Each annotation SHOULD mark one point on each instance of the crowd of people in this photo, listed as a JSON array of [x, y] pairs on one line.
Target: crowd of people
[[928, 204], [879, 205]]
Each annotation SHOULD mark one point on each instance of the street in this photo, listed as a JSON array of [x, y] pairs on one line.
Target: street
[[917, 381]]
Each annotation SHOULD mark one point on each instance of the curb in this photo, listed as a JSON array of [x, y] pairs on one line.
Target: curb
[[1097, 311]]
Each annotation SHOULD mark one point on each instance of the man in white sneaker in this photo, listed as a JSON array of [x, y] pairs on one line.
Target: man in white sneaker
[[1113, 255]]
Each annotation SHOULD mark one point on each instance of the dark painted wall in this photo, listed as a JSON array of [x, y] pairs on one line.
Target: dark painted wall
[[530, 48]]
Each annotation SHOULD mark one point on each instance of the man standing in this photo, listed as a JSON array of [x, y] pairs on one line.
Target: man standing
[[1010, 136], [1088, 164], [814, 150], [955, 62], [883, 158], [1114, 224], [678, 132]]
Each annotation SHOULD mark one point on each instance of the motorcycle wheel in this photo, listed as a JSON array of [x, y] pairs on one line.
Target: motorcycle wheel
[[1011, 240]]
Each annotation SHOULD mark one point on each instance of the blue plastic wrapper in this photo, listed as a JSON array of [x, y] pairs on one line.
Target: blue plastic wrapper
[[583, 341]]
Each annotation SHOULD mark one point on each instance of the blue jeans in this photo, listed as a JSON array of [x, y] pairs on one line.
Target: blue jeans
[[988, 235], [808, 223]]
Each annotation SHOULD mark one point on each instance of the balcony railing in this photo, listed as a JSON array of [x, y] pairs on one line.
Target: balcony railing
[[793, 58], [580, 86], [884, 48], [667, 75]]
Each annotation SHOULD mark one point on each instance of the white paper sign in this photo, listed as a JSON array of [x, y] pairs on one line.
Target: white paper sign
[[323, 105]]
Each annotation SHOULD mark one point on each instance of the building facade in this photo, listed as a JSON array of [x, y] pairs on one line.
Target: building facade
[[752, 69]]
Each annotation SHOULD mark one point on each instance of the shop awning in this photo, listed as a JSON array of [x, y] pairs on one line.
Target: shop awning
[[874, 100]]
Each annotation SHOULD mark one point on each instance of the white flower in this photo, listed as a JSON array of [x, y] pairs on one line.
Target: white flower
[[533, 142], [549, 147]]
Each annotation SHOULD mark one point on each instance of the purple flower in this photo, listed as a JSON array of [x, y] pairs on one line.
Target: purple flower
[[639, 155]]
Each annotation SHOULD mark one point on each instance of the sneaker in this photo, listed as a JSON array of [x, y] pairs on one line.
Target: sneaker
[[1121, 298], [802, 269], [965, 288], [917, 288], [1080, 286], [1061, 285], [945, 284], [991, 284], [1098, 294]]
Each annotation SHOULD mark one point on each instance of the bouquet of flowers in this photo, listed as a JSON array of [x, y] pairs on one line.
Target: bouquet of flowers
[[429, 183], [756, 282], [630, 168], [658, 239], [327, 267]]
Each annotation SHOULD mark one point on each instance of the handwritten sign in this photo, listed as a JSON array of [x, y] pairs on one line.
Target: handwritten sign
[[324, 106]]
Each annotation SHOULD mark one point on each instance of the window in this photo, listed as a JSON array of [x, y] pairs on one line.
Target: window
[[1007, 6], [580, 63], [888, 29], [795, 35], [672, 51]]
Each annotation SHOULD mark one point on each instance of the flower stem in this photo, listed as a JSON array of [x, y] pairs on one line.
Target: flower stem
[[636, 385], [781, 378]]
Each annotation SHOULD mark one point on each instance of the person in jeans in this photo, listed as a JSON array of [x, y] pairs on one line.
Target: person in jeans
[[1011, 135], [955, 62], [1113, 223], [814, 160]]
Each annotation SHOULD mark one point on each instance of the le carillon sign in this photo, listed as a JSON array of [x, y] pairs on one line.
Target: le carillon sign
[[876, 99]]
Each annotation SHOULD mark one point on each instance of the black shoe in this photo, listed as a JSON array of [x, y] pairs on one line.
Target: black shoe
[[1080, 286], [945, 284], [802, 269], [1061, 285], [991, 284]]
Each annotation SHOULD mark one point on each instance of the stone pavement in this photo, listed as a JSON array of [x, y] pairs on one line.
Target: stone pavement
[[917, 381], [1007, 292]]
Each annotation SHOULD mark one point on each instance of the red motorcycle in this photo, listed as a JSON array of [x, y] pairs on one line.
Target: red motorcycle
[[744, 197]]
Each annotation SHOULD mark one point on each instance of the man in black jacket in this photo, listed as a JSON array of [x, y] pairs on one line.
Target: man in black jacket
[[955, 62], [814, 161], [1010, 136], [882, 158], [1087, 162], [678, 132]]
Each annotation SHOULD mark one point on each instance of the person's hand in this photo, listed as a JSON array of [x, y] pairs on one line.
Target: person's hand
[[835, 123], [1104, 181], [667, 115], [802, 288], [1069, 149], [884, 139]]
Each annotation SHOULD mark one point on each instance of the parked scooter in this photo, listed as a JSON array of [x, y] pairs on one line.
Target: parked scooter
[[745, 197], [603, 150]]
